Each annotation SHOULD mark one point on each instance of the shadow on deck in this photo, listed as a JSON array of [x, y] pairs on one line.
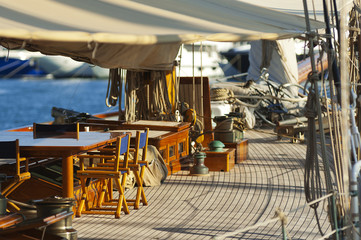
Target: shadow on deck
[[189, 207]]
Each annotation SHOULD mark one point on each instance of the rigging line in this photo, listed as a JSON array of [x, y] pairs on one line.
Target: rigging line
[[322, 135], [334, 71], [314, 9], [335, 110], [121, 97], [332, 139], [337, 20], [274, 219], [179, 72], [201, 105], [106, 96], [333, 23], [73, 94], [273, 97], [330, 123], [194, 93], [334, 231], [113, 87], [316, 112]]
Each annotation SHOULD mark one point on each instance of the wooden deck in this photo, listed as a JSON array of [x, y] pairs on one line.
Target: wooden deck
[[188, 207]]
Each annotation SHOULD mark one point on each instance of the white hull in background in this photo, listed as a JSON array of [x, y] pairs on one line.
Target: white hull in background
[[65, 67]]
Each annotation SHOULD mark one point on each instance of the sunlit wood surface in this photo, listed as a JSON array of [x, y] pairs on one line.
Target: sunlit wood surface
[[188, 207]]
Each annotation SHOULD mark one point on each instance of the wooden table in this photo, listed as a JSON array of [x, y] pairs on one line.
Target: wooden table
[[64, 148]]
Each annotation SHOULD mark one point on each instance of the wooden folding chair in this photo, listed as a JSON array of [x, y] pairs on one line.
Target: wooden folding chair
[[105, 174], [137, 166], [9, 152], [70, 130]]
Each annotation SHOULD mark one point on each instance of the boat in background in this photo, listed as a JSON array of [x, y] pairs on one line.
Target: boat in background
[[26, 64], [65, 67], [203, 60], [238, 60], [20, 64]]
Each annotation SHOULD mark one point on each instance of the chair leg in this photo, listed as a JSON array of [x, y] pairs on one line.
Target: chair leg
[[144, 199], [83, 198], [121, 201], [140, 197], [122, 187], [103, 193], [12, 207], [8, 190], [110, 190]]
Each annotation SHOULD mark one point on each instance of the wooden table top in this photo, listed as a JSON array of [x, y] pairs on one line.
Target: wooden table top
[[58, 147], [85, 139]]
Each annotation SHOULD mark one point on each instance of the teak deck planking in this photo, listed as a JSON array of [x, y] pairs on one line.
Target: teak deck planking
[[190, 207]]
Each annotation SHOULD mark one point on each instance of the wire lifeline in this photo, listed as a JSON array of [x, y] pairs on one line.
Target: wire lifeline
[[280, 215], [246, 229]]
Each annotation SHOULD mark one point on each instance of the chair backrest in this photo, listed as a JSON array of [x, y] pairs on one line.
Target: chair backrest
[[56, 130], [122, 148], [141, 143], [10, 150]]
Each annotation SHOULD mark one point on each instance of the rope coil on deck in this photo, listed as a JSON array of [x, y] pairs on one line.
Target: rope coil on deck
[[220, 94], [224, 94]]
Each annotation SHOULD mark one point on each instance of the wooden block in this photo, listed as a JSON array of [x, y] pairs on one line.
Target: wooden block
[[220, 161], [241, 149]]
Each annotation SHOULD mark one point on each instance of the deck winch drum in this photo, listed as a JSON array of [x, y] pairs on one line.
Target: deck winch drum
[[54, 205]]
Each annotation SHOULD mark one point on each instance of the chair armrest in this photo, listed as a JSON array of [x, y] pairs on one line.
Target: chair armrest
[[95, 156], [143, 162], [100, 170], [125, 170], [134, 166]]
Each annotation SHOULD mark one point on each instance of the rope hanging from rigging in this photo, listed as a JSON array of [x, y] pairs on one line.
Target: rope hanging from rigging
[[147, 96], [312, 177], [113, 87]]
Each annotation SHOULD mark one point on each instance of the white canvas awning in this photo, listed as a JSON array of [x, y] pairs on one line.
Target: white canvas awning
[[139, 34], [315, 8]]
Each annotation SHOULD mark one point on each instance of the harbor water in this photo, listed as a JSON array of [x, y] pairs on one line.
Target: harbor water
[[24, 101]]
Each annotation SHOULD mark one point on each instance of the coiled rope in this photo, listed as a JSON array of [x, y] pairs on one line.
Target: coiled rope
[[147, 96], [113, 87], [312, 177], [221, 94], [224, 94]]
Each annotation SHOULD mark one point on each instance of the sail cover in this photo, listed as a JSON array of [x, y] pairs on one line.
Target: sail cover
[[138, 34]]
